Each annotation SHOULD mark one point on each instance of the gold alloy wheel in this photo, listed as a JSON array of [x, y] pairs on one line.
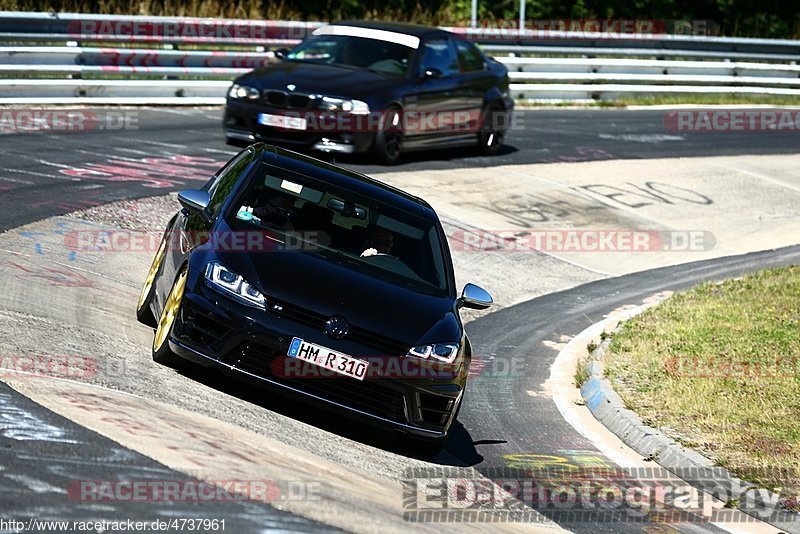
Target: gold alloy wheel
[[169, 312], [151, 274]]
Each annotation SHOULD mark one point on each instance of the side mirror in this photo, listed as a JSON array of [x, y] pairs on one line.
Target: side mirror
[[432, 73], [281, 53], [195, 201], [475, 297]]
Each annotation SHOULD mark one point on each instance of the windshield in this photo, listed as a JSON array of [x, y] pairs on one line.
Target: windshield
[[309, 217], [371, 54]]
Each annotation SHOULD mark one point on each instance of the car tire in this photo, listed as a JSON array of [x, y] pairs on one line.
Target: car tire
[[143, 312], [492, 131], [387, 147], [161, 352]]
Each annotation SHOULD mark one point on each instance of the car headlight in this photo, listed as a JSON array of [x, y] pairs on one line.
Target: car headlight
[[356, 107], [233, 285], [243, 92], [441, 352]]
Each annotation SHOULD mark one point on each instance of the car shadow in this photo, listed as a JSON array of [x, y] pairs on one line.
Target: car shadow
[[459, 450], [422, 156]]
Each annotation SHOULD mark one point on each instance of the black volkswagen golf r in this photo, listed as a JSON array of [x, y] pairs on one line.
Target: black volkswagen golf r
[[317, 281], [355, 87]]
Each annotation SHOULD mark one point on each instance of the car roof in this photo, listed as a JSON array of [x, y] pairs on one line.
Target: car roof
[[345, 179], [417, 30]]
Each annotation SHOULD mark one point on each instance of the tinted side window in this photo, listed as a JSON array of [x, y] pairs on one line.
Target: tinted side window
[[469, 56], [226, 180], [439, 54]]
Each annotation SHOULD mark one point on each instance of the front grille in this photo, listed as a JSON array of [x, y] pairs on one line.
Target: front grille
[[299, 101], [282, 99], [385, 346], [366, 396], [276, 98], [302, 315]]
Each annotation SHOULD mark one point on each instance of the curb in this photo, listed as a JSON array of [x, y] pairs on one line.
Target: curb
[[698, 471]]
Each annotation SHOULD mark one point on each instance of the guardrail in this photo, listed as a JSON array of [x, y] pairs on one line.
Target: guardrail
[[191, 60]]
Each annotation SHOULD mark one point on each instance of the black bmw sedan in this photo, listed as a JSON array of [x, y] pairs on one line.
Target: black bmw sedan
[[320, 282], [384, 88]]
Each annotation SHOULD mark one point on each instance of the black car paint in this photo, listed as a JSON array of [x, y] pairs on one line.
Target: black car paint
[[471, 92], [403, 315]]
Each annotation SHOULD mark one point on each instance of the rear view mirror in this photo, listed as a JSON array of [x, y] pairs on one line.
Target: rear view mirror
[[347, 209], [195, 201], [475, 297]]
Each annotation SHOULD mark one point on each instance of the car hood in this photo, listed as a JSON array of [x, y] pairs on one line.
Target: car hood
[[312, 284], [310, 78]]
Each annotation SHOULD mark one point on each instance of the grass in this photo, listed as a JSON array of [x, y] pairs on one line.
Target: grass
[[581, 374], [720, 365]]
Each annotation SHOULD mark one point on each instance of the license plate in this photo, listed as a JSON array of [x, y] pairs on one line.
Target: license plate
[[282, 121], [328, 359]]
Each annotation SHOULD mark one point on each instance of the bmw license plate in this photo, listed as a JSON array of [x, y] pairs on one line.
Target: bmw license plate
[[328, 359], [282, 121]]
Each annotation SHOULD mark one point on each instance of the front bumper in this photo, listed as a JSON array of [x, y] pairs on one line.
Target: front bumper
[[241, 126], [252, 344]]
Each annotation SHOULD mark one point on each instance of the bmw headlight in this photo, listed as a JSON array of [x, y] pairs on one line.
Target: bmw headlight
[[356, 107], [440, 352], [243, 92], [233, 285]]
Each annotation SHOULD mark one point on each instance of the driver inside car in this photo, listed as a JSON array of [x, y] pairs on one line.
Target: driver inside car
[[275, 208], [377, 241]]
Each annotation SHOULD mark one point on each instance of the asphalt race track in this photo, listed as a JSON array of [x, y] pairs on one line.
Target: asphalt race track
[[39, 169], [507, 422]]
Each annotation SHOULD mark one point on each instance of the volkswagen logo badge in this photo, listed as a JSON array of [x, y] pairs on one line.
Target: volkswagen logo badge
[[337, 327]]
